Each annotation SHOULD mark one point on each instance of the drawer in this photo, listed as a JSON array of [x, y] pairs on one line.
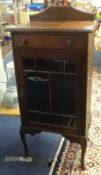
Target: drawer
[[50, 42]]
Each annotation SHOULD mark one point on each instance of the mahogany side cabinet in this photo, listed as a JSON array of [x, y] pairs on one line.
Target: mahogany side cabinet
[[53, 67]]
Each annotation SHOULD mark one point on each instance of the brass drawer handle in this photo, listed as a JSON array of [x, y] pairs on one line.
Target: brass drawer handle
[[69, 44], [24, 42]]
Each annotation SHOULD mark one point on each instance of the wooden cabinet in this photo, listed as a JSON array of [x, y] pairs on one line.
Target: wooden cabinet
[[53, 66]]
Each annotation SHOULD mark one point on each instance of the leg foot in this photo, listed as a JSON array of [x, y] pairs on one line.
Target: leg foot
[[83, 147], [22, 135]]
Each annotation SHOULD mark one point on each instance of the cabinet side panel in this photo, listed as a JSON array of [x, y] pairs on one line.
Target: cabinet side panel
[[89, 80]]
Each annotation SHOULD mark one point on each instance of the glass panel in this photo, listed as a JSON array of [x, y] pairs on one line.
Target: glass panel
[[48, 118], [51, 87], [70, 67], [28, 63], [37, 91], [63, 94], [53, 90], [50, 65]]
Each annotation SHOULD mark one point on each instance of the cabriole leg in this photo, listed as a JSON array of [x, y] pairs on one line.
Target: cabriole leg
[[22, 135], [83, 147]]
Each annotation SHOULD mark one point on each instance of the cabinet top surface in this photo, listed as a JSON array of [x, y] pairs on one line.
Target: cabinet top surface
[[61, 19], [77, 26]]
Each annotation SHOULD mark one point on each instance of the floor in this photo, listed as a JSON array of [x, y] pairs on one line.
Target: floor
[[10, 112], [97, 58]]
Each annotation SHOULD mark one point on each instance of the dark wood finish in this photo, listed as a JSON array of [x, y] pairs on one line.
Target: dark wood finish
[[53, 66], [62, 13]]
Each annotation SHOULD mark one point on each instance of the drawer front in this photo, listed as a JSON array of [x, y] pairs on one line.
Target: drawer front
[[50, 42]]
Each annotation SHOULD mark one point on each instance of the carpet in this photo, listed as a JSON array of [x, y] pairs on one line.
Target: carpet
[[42, 148], [67, 162]]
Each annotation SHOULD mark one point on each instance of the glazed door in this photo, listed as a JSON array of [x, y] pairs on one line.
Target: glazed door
[[50, 89]]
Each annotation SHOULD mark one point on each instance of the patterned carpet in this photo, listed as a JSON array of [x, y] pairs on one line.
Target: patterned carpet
[[69, 163]]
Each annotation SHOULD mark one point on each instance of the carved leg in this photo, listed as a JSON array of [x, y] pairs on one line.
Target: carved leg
[[83, 147], [22, 135]]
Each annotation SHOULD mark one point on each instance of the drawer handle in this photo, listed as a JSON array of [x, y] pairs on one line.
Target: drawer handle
[[69, 44], [24, 42]]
